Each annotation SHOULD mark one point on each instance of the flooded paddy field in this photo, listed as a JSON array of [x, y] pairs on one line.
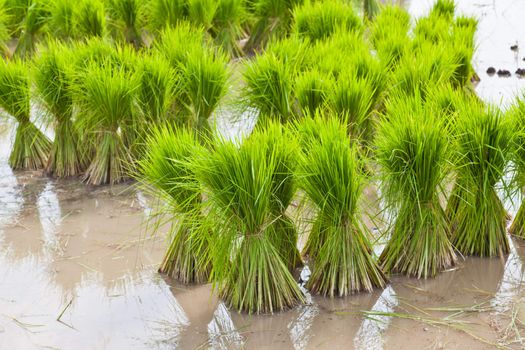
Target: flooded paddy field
[[78, 270]]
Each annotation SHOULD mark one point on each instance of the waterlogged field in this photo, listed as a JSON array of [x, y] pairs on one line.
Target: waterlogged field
[[79, 271]]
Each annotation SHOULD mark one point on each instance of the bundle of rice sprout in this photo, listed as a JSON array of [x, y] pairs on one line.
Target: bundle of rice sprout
[[31, 147], [413, 153], [339, 248], [484, 140]]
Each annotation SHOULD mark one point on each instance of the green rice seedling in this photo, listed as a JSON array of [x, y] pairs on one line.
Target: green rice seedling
[[31, 147], [166, 13], [319, 20], [352, 99], [53, 80], [339, 247], [413, 152], [269, 87], [292, 51], [156, 89], [4, 27], [227, 26], [370, 8], [247, 267], [175, 43], [106, 97], [16, 11], [428, 65], [167, 168], [204, 82], [128, 18], [33, 26], [466, 27], [312, 88], [284, 188], [273, 19], [91, 19], [431, 30], [517, 113], [444, 9], [391, 20], [202, 12], [62, 19], [478, 219], [94, 49]]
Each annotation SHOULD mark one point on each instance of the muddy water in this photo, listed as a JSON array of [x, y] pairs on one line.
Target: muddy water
[[78, 272]]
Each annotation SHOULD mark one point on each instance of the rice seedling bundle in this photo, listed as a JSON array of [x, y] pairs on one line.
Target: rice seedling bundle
[[292, 51], [269, 87], [175, 43], [227, 26], [33, 26], [166, 13], [31, 147], [370, 8], [390, 19], [478, 219], [167, 167], [319, 20], [128, 18], [429, 65], [273, 19], [204, 82], [202, 12], [4, 27], [444, 9], [156, 89], [413, 152], [247, 266], [53, 80], [389, 34], [284, 187], [517, 113], [106, 98], [339, 248], [312, 88], [353, 100], [62, 22], [91, 19]]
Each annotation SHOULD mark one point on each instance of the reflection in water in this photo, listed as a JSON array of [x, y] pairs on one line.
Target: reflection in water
[[370, 334], [235, 125], [222, 332], [144, 204], [300, 327], [509, 289], [10, 197], [50, 217]]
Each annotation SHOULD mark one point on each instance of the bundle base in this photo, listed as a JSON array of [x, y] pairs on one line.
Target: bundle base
[[31, 148], [258, 280]]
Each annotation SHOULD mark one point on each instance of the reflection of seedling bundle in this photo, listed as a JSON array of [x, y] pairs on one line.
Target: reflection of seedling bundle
[[31, 147], [483, 138], [339, 247], [413, 153], [167, 167], [248, 186]]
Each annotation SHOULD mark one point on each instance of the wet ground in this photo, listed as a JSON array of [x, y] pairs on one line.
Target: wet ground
[[77, 270]]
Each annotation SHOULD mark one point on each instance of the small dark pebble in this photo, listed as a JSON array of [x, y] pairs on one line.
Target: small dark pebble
[[491, 71], [521, 72], [503, 73], [514, 47]]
